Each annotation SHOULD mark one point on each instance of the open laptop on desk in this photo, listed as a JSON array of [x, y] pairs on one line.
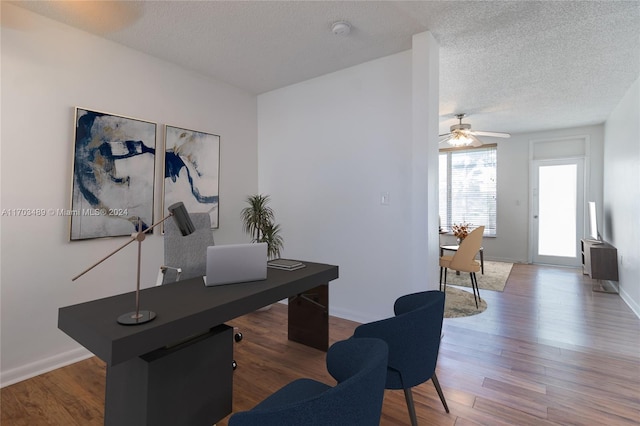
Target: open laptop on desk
[[236, 263]]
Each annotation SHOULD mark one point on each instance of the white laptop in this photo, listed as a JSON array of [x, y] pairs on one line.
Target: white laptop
[[236, 263]]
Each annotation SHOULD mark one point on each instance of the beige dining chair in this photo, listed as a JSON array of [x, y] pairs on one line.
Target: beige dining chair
[[463, 260]]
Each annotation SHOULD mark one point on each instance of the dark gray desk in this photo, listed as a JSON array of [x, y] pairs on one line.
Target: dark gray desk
[[143, 359]]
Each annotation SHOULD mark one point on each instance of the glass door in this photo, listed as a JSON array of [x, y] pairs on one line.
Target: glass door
[[558, 207]]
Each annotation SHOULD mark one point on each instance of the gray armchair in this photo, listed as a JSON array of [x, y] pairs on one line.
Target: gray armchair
[[186, 257]]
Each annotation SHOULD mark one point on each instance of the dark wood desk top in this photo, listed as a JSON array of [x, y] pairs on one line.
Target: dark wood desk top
[[183, 309]]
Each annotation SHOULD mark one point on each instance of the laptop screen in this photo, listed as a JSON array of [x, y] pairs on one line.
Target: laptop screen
[[236, 263]]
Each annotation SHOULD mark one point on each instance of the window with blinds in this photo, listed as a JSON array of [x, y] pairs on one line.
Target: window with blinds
[[468, 187]]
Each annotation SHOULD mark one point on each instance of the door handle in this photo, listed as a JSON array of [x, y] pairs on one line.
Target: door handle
[[535, 216]]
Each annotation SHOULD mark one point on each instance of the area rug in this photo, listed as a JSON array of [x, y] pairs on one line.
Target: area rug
[[494, 278], [460, 303]]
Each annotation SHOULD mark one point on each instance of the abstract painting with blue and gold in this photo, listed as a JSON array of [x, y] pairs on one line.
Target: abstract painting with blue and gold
[[113, 175], [192, 163]]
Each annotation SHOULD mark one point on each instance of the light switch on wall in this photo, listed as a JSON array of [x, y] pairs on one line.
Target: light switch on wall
[[384, 198]]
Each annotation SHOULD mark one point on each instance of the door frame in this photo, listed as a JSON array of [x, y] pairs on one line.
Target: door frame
[[572, 154]]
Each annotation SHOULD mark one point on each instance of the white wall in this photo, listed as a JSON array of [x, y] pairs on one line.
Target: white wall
[[47, 70], [328, 148], [425, 252], [622, 192], [512, 241]]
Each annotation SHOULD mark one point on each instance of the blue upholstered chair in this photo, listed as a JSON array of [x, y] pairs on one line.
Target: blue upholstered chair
[[360, 368], [413, 336]]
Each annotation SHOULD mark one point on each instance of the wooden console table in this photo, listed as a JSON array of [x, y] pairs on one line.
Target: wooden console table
[[600, 262], [177, 369]]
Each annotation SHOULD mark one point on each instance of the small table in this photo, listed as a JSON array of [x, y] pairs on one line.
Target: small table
[[455, 248]]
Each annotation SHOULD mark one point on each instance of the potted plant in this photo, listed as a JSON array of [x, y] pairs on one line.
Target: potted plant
[[258, 221]]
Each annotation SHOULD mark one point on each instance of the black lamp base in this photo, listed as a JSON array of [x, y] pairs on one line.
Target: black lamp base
[[133, 318]]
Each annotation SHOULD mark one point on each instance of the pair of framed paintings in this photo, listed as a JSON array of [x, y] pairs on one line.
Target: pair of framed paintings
[[114, 174]]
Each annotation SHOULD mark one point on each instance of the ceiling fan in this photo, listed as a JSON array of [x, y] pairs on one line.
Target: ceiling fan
[[462, 135]]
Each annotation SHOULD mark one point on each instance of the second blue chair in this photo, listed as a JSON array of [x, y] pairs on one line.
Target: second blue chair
[[360, 368], [413, 336]]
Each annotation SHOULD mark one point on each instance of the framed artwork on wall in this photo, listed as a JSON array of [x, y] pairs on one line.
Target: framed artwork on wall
[[113, 175], [192, 171]]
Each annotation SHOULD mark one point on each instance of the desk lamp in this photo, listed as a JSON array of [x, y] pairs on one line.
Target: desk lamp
[[184, 224]]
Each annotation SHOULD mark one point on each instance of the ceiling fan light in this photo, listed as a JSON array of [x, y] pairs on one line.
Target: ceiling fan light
[[460, 140]]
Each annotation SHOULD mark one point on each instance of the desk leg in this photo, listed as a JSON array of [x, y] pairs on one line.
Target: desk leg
[[309, 318], [188, 384]]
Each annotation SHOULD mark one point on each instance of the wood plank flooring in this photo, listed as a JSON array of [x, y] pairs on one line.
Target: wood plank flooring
[[547, 351]]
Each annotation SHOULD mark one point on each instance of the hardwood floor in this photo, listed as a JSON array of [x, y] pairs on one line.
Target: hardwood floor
[[547, 351]]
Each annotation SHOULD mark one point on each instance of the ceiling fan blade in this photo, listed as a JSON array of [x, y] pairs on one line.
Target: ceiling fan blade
[[444, 134], [476, 142], [492, 134], [446, 140]]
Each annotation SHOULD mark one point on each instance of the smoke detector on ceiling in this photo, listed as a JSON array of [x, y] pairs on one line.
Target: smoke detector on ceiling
[[341, 28]]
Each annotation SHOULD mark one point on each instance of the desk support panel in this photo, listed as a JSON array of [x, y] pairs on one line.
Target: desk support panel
[[188, 384], [309, 318]]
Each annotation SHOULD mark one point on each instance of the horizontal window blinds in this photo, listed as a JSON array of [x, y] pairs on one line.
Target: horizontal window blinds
[[468, 188]]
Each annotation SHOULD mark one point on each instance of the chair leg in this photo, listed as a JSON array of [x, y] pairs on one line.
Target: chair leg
[[445, 280], [443, 285], [412, 409], [436, 383], [474, 287]]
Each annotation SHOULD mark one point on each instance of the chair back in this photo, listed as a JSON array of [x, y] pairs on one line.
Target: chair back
[[413, 336], [358, 365], [188, 253], [463, 259]]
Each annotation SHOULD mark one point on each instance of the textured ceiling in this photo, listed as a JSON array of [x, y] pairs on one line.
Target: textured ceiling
[[512, 66]]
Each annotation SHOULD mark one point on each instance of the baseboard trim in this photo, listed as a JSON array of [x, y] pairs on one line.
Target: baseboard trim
[[351, 315], [42, 366], [504, 260], [629, 301]]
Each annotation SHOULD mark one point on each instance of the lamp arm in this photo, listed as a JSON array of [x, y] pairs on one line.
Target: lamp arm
[[103, 259], [138, 236], [157, 223]]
